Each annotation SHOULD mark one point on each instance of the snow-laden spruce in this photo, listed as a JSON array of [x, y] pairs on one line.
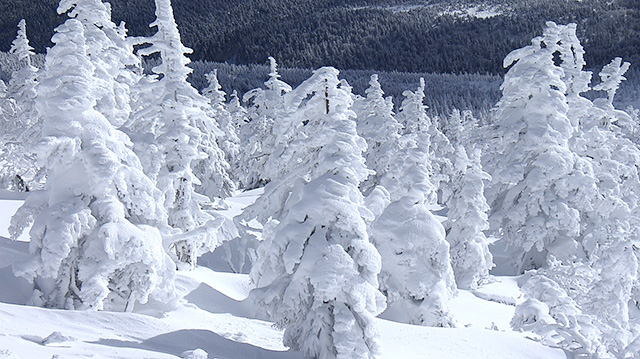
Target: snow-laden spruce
[[378, 126], [611, 76], [239, 114], [227, 140], [19, 123], [610, 223], [416, 123], [168, 125], [89, 243], [416, 274], [467, 219], [269, 154], [550, 313], [219, 145], [442, 153], [597, 266], [110, 52], [460, 129], [261, 137], [539, 185], [413, 117], [316, 271]]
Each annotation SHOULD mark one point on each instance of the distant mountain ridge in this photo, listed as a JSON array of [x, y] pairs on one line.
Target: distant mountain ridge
[[438, 36]]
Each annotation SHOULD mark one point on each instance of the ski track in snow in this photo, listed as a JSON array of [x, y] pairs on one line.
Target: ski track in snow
[[215, 317]]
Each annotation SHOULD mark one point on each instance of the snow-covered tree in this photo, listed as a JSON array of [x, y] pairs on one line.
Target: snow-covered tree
[[91, 247], [316, 272], [454, 128], [170, 121], [111, 53], [218, 144], [22, 86], [239, 114], [611, 76], [261, 137], [571, 56], [228, 140], [417, 124], [240, 252], [413, 116], [539, 185], [467, 219], [377, 125], [553, 315], [592, 184], [459, 128], [416, 274], [609, 222], [20, 125], [7, 107], [442, 167], [570, 292], [283, 162]]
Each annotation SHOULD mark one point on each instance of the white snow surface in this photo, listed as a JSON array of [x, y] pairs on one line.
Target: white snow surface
[[213, 317], [480, 11]]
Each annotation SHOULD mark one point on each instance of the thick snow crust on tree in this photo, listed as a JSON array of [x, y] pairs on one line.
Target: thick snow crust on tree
[[377, 124], [539, 185], [177, 141], [90, 245], [588, 278], [111, 54], [227, 139], [316, 272], [413, 117], [556, 317], [416, 274], [262, 135], [611, 221], [19, 121], [467, 220]]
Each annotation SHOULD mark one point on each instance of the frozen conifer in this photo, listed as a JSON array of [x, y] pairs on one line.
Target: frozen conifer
[[416, 274], [110, 52], [377, 125], [261, 136], [90, 243], [227, 139], [538, 182], [19, 121], [169, 122], [316, 272], [467, 220]]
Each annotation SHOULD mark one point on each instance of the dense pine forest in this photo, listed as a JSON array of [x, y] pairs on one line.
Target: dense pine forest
[[435, 36]]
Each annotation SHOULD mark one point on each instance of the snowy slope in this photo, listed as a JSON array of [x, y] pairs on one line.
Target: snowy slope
[[214, 316]]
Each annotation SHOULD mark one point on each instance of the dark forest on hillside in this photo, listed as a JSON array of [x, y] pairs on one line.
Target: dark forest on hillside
[[400, 35]]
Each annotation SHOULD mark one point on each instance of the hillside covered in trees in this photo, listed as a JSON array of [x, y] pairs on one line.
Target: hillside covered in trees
[[436, 36], [144, 216]]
